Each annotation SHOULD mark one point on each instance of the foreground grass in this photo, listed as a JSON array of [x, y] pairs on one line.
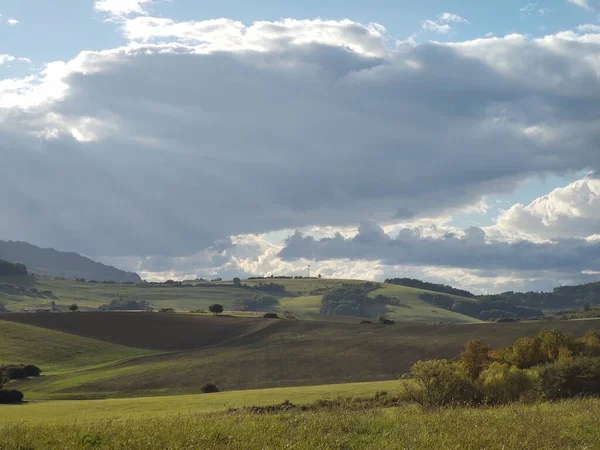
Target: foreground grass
[[566, 425], [161, 406]]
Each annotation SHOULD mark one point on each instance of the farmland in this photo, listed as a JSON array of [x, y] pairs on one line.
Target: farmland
[[185, 350], [297, 299]]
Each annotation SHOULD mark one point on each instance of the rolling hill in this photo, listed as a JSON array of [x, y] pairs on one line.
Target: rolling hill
[[240, 353], [298, 299], [53, 263]]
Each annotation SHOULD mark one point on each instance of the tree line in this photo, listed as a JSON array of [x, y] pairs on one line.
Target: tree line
[[9, 269]]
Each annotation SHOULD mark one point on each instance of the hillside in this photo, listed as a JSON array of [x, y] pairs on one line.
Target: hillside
[[55, 350], [53, 263], [298, 299], [245, 353]]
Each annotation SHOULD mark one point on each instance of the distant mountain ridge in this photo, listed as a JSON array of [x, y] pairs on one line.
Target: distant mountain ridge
[[51, 262]]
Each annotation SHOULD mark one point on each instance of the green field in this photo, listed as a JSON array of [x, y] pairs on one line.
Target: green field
[[296, 299], [57, 352], [160, 406], [566, 425], [183, 351]]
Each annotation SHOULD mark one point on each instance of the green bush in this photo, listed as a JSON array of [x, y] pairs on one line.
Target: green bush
[[209, 388], [32, 371], [440, 382], [270, 315], [571, 378], [503, 383], [15, 373], [11, 396]]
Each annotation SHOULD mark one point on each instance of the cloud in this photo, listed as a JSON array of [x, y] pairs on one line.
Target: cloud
[[12, 22], [470, 251], [4, 59], [589, 28], [442, 24], [581, 3], [121, 8], [571, 211], [194, 132]]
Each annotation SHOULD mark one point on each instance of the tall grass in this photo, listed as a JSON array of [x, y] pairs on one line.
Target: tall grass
[[565, 425]]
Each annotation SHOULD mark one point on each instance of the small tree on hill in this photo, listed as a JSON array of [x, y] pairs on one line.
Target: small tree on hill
[[216, 309], [74, 307], [237, 282], [209, 388]]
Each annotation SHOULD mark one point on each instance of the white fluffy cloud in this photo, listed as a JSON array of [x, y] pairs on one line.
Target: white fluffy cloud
[[12, 22], [581, 3], [194, 132], [121, 8], [442, 24], [571, 211]]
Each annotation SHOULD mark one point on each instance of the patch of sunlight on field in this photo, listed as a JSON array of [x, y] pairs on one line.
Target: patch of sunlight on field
[[55, 351], [147, 407]]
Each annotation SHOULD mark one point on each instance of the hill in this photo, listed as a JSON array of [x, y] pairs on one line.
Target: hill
[[247, 353], [53, 263], [300, 298], [55, 350]]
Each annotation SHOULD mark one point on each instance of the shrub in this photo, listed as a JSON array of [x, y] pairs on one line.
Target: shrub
[[32, 371], [503, 383], [440, 382], [524, 353], [11, 396], [16, 373], [475, 358], [270, 315], [571, 378], [216, 309], [590, 343], [385, 321], [167, 310], [209, 388]]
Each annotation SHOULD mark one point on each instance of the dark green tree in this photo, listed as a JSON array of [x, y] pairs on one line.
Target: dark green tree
[[216, 309]]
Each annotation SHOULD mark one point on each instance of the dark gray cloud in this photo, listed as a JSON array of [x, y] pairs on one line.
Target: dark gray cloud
[[164, 149], [470, 251]]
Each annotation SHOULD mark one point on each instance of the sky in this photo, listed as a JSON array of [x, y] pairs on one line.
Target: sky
[[454, 141]]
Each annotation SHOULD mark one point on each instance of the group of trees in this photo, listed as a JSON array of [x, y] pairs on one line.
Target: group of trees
[[507, 304], [348, 300], [126, 304], [9, 269], [23, 290], [8, 373], [551, 365], [257, 302], [419, 284], [560, 297], [481, 308]]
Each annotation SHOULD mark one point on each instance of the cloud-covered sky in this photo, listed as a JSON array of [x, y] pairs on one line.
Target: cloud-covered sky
[[182, 145]]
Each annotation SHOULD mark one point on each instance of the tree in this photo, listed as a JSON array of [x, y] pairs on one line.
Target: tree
[[237, 282], [475, 358], [439, 382], [216, 309], [209, 388], [74, 307]]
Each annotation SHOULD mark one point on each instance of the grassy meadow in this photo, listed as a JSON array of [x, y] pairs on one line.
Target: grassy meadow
[[565, 425]]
